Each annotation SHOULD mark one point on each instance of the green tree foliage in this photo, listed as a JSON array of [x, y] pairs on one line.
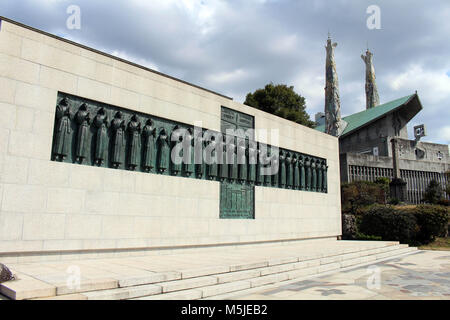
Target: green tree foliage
[[433, 193], [359, 194], [281, 101]]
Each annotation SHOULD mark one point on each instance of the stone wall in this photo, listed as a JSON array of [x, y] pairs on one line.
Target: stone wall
[[49, 206], [430, 154], [386, 162]]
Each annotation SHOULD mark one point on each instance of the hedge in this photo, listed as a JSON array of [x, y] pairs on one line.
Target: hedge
[[432, 221], [412, 225], [389, 224]]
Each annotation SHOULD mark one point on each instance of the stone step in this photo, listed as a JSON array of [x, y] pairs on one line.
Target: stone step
[[124, 293], [253, 271], [241, 280], [375, 257], [192, 294], [311, 271], [238, 275], [25, 287], [278, 277], [171, 286], [302, 274], [225, 288], [153, 278], [220, 289]]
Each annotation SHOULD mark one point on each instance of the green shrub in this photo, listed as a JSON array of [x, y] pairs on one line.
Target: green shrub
[[394, 201], [413, 225], [362, 236], [432, 221], [383, 182], [389, 224]]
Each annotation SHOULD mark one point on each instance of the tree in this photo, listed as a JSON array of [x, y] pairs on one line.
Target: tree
[[357, 195], [281, 101], [383, 182], [433, 192]]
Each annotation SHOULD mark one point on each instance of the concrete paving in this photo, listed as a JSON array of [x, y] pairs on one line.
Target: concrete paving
[[422, 275]]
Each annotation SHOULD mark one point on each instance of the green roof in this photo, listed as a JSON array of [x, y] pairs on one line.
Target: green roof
[[360, 119]]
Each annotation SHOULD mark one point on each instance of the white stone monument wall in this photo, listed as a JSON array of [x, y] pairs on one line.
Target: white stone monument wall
[[52, 206]]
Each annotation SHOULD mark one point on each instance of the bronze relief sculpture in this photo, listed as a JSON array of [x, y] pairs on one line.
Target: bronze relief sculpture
[[118, 142], [259, 166], [289, 171], [94, 133], [83, 120], [163, 151], [268, 177], [188, 156], [176, 141], [212, 166], [276, 175], [134, 131], [101, 136], [313, 175], [302, 173], [282, 163], [149, 136], [296, 170], [224, 164], [232, 161], [324, 177], [242, 161], [198, 153], [308, 173], [63, 138], [319, 176], [252, 160]]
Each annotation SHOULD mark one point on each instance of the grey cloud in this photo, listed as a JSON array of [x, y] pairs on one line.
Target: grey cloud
[[246, 35]]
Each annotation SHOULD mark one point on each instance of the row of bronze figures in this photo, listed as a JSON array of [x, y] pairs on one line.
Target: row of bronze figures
[[295, 171]]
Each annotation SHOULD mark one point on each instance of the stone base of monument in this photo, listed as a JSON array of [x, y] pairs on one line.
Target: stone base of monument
[[397, 189], [209, 273]]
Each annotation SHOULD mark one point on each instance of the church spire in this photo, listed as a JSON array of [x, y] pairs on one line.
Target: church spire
[[372, 98], [333, 123]]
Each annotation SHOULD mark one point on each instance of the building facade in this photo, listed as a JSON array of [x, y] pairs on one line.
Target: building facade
[[367, 139], [366, 153]]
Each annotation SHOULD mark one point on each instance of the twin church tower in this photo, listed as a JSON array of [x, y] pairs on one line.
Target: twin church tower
[[334, 125]]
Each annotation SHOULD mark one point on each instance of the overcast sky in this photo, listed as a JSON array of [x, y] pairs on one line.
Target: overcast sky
[[234, 47]]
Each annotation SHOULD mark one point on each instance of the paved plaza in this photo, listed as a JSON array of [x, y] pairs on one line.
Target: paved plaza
[[423, 275]]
